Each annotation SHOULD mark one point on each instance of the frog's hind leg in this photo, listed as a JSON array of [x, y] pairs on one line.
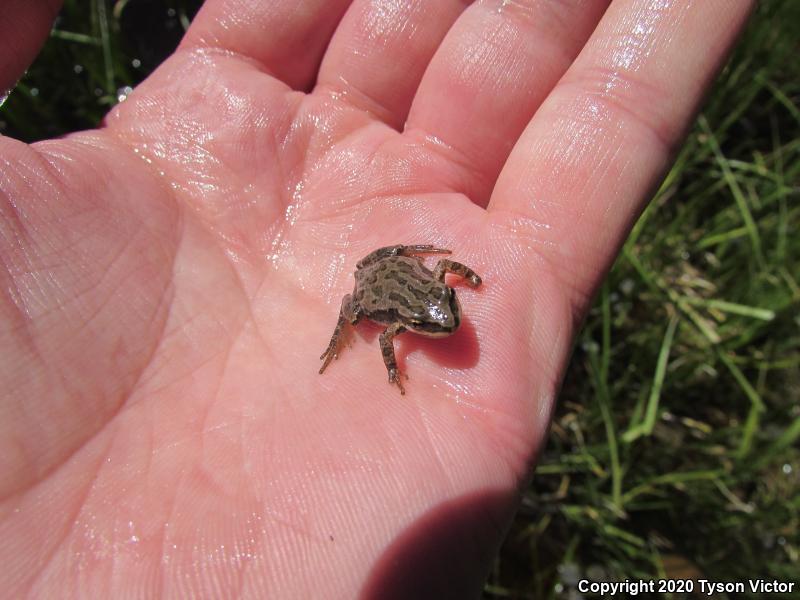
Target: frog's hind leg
[[423, 249], [450, 266], [399, 250], [387, 349], [347, 314], [379, 254]]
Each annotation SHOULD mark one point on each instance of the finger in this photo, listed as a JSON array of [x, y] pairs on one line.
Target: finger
[[580, 174], [380, 51], [287, 39], [24, 26], [491, 73]]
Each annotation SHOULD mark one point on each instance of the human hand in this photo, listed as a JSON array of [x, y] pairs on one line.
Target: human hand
[[171, 279]]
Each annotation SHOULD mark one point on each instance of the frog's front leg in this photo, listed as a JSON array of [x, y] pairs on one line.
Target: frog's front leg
[[387, 349], [347, 314], [450, 266]]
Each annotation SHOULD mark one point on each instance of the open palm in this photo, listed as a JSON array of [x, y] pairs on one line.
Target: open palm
[[171, 279]]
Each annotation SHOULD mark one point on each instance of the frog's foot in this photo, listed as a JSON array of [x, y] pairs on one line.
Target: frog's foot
[[450, 266], [329, 355], [347, 314], [394, 377], [332, 351], [339, 339], [387, 350]]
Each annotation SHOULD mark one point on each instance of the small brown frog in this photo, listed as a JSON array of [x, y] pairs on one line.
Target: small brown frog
[[394, 288]]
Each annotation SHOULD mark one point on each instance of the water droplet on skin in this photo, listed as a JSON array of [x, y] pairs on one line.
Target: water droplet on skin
[[123, 92]]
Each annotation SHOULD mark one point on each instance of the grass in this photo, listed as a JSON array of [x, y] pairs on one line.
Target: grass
[[674, 452]]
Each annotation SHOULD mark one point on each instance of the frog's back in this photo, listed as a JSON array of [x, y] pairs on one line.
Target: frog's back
[[395, 288]]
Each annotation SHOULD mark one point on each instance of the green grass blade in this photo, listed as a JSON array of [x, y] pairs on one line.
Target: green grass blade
[[756, 405], [653, 484], [786, 440], [105, 40], [753, 312], [604, 402], [78, 38], [736, 191], [651, 413]]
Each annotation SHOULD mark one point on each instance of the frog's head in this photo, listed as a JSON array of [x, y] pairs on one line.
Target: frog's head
[[442, 315]]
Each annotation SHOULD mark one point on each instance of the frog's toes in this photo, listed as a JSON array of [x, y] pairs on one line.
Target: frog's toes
[[327, 356], [394, 377]]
